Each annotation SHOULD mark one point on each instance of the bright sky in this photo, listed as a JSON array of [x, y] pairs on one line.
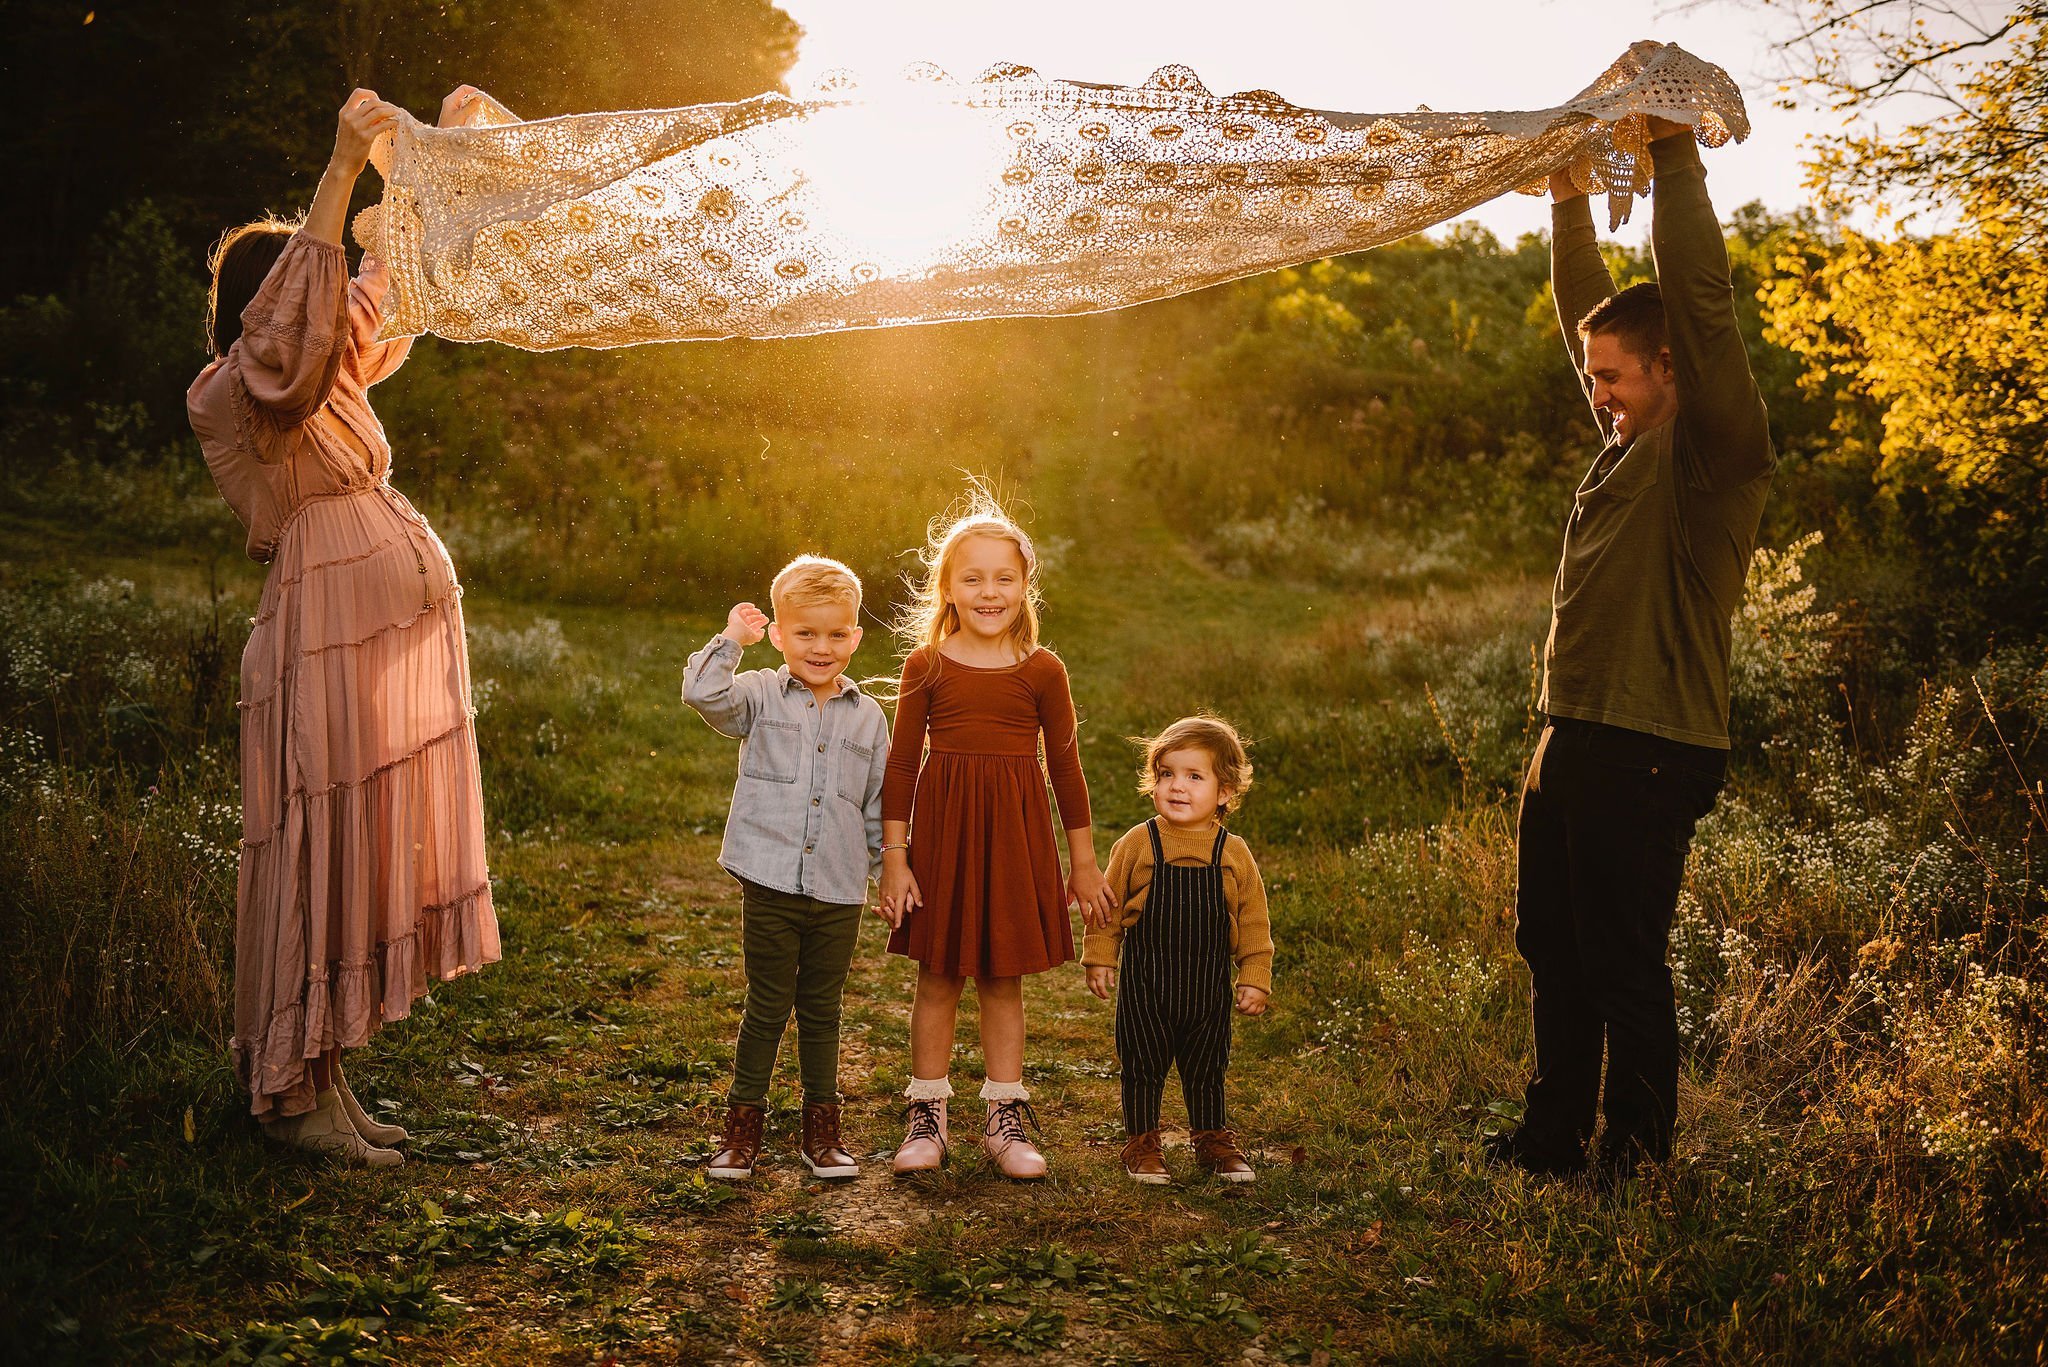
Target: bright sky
[[1362, 56]]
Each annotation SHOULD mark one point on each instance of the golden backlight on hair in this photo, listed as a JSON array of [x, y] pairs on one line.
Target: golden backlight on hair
[[1213, 736], [930, 617], [238, 264], [810, 580]]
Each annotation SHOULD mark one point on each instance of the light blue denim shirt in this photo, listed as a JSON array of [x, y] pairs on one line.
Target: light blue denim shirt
[[807, 807]]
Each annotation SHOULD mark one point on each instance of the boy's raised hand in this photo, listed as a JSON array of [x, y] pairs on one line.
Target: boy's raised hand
[[1251, 1001], [745, 624], [1101, 981]]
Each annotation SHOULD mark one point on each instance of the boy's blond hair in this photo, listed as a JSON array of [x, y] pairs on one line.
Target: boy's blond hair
[[1213, 736], [810, 580], [930, 618]]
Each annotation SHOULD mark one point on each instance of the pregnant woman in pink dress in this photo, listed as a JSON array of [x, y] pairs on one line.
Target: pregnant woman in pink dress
[[362, 874]]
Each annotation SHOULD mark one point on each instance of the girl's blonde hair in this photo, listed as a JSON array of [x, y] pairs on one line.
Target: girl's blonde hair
[[929, 618], [1213, 736]]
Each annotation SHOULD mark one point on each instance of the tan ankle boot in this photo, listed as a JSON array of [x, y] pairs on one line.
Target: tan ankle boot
[[1003, 1140], [823, 1154], [739, 1148], [326, 1129], [387, 1136]]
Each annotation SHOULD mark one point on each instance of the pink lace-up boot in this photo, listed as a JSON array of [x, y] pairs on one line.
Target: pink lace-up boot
[[1003, 1138], [924, 1147]]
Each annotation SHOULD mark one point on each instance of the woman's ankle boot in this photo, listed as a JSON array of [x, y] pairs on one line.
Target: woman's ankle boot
[[376, 1132], [326, 1129]]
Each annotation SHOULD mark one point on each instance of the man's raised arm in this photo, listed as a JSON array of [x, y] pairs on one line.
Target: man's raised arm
[[1722, 435], [1578, 275]]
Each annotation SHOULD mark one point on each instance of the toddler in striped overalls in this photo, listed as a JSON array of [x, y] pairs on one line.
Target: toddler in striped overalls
[[1192, 919]]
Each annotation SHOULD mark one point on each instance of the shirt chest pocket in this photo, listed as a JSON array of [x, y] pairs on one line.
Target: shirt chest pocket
[[1629, 477], [771, 751], [856, 762]]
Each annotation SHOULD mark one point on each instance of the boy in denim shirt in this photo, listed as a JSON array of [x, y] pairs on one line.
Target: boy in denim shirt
[[803, 837]]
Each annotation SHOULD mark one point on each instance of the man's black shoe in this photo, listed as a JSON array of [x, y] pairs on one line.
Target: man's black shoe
[[1614, 1166], [1513, 1149]]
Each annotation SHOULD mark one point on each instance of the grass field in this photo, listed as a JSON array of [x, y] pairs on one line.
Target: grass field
[[553, 1209]]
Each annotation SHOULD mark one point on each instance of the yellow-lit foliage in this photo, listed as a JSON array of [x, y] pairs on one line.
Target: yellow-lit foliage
[[1935, 347], [1946, 340], [1949, 334]]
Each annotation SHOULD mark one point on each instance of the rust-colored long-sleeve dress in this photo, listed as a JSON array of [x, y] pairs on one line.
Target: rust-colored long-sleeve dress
[[981, 838], [362, 872]]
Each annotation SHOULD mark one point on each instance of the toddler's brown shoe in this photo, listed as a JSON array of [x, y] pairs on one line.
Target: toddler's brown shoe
[[1144, 1161], [1217, 1152], [739, 1148], [821, 1148]]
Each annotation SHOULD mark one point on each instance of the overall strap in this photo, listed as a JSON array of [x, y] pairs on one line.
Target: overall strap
[[1222, 834], [1158, 851]]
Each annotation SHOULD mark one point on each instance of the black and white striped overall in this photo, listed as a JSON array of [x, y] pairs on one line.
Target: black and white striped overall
[[1174, 996]]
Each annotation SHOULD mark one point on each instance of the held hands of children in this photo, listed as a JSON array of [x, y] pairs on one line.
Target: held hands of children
[[899, 893], [1101, 980], [745, 624]]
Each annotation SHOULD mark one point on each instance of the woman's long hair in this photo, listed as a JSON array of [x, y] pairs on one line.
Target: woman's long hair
[[240, 261]]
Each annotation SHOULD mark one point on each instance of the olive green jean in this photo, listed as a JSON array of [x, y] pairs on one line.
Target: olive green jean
[[797, 951]]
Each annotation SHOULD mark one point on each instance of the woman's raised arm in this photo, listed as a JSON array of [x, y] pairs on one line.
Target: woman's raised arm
[[364, 118]]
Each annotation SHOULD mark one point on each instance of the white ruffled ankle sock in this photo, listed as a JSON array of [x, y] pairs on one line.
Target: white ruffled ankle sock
[[991, 1090], [929, 1089]]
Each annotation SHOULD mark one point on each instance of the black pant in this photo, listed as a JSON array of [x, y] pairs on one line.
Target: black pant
[[1606, 824]]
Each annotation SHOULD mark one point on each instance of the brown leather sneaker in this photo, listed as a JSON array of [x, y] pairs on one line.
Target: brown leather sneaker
[[1217, 1152], [739, 1148], [1144, 1161], [821, 1149]]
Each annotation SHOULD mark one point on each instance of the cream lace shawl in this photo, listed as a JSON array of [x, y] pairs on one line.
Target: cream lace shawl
[[926, 200]]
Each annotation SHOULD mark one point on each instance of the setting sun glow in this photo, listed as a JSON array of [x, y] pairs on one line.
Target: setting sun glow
[[901, 172]]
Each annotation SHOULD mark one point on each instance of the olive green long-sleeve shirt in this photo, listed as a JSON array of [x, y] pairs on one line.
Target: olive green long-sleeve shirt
[[1662, 528]]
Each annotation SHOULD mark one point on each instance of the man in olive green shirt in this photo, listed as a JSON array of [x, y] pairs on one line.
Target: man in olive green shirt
[[1635, 673]]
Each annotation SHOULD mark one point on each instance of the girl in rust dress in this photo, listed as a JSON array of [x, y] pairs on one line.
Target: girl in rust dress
[[971, 880], [362, 873]]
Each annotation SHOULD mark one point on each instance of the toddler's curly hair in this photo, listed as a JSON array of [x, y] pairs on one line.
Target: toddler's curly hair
[[1210, 734]]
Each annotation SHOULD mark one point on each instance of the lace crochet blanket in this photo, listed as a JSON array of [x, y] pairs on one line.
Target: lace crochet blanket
[[926, 199]]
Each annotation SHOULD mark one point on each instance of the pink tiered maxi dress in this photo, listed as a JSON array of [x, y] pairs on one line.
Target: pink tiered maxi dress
[[362, 871]]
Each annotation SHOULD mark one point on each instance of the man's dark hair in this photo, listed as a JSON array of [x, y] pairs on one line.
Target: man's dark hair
[[1636, 315]]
